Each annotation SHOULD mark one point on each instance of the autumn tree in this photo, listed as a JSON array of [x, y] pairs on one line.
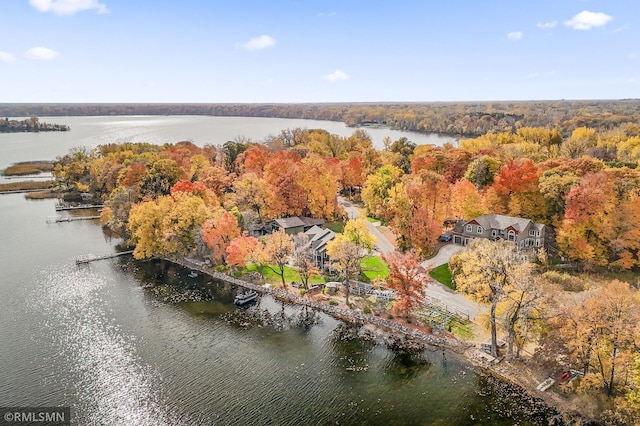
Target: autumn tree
[[348, 249], [402, 150], [303, 259], [218, 233], [278, 248], [423, 232], [465, 202], [358, 233], [159, 179], [183, 215], [554, 186], [587, 226], [320, 187], [408, 279], [251, 193], [241, 250], [484, 271], [346, 257], [520, 310], [482, 171], [376, 190], [601, 334]]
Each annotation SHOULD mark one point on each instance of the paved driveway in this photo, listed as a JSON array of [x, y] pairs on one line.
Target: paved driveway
[[435, 289], [444, 293]]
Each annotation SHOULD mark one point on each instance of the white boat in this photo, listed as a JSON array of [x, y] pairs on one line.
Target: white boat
[[245, 297], [546, 384], [193, 274]]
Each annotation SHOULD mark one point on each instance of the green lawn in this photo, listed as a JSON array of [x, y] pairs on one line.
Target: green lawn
[[336, 227], [374, 267], [372, 219], [290, 275], [443, 275]]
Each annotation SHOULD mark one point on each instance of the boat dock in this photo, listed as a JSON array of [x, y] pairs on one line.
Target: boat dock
[[58, 219], [60, 207], [92, 257]]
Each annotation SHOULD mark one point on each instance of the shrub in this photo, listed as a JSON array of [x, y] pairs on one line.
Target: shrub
[[333, 302], [366, 310], [565, 281], [389, 316], [303, 292]]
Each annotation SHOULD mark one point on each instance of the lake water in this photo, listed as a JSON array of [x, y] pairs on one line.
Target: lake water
[[201, 130], [141, 343]]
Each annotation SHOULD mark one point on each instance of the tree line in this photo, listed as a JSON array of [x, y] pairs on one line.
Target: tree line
[[468, 119]]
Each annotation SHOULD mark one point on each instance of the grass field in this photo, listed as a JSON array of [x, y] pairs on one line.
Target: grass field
[[443, 275], [374, 267]]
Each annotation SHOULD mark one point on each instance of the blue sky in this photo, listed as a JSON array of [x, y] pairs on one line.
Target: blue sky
[[318, 51]]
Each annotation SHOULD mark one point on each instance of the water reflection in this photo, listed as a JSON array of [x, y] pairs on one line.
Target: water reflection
[[112, 384]]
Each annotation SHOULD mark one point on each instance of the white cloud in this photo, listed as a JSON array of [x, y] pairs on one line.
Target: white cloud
[[621, 29], [41, 54], [326, 14], [6, 57], [262, 42], [586, 20], [337, 75], [68, 7], [515, 36], [546, 25]]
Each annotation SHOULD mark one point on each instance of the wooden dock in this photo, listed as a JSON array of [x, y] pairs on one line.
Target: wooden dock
[[59, 219], [60, 207], [92, 257]]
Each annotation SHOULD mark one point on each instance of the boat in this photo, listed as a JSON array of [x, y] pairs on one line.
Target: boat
[[246, 297], [193, 274], [546, 384]]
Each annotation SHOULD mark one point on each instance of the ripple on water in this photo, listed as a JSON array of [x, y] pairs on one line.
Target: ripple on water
[[113, 384]]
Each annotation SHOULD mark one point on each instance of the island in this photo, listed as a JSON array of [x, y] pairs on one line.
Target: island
[[31, 124]]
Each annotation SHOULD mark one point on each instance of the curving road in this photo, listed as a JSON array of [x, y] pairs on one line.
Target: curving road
[[435, 289]]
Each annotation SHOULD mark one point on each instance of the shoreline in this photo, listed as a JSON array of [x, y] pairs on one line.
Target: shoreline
[[506, 371]]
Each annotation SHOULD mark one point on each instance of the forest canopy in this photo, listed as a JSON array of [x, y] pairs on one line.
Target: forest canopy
[[470, 119]]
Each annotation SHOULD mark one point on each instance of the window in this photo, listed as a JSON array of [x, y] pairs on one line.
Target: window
[[494, 233], [469, 228], [532, 232], [511, 235], [537, 233], [479, 229]]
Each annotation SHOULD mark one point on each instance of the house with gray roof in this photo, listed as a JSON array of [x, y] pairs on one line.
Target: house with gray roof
[[524, 233], [318, 239], [294, 224]]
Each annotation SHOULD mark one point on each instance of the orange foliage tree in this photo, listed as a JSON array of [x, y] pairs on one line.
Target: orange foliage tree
[[241, 250], [408, 279], [218, 233]]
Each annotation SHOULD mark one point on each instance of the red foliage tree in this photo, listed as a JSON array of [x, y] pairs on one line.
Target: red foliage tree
[[408, 279]]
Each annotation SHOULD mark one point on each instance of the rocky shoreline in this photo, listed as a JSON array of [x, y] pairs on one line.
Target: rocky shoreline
[[507, 372]]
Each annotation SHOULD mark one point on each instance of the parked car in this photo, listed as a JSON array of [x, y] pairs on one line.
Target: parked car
[[446, 237]]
